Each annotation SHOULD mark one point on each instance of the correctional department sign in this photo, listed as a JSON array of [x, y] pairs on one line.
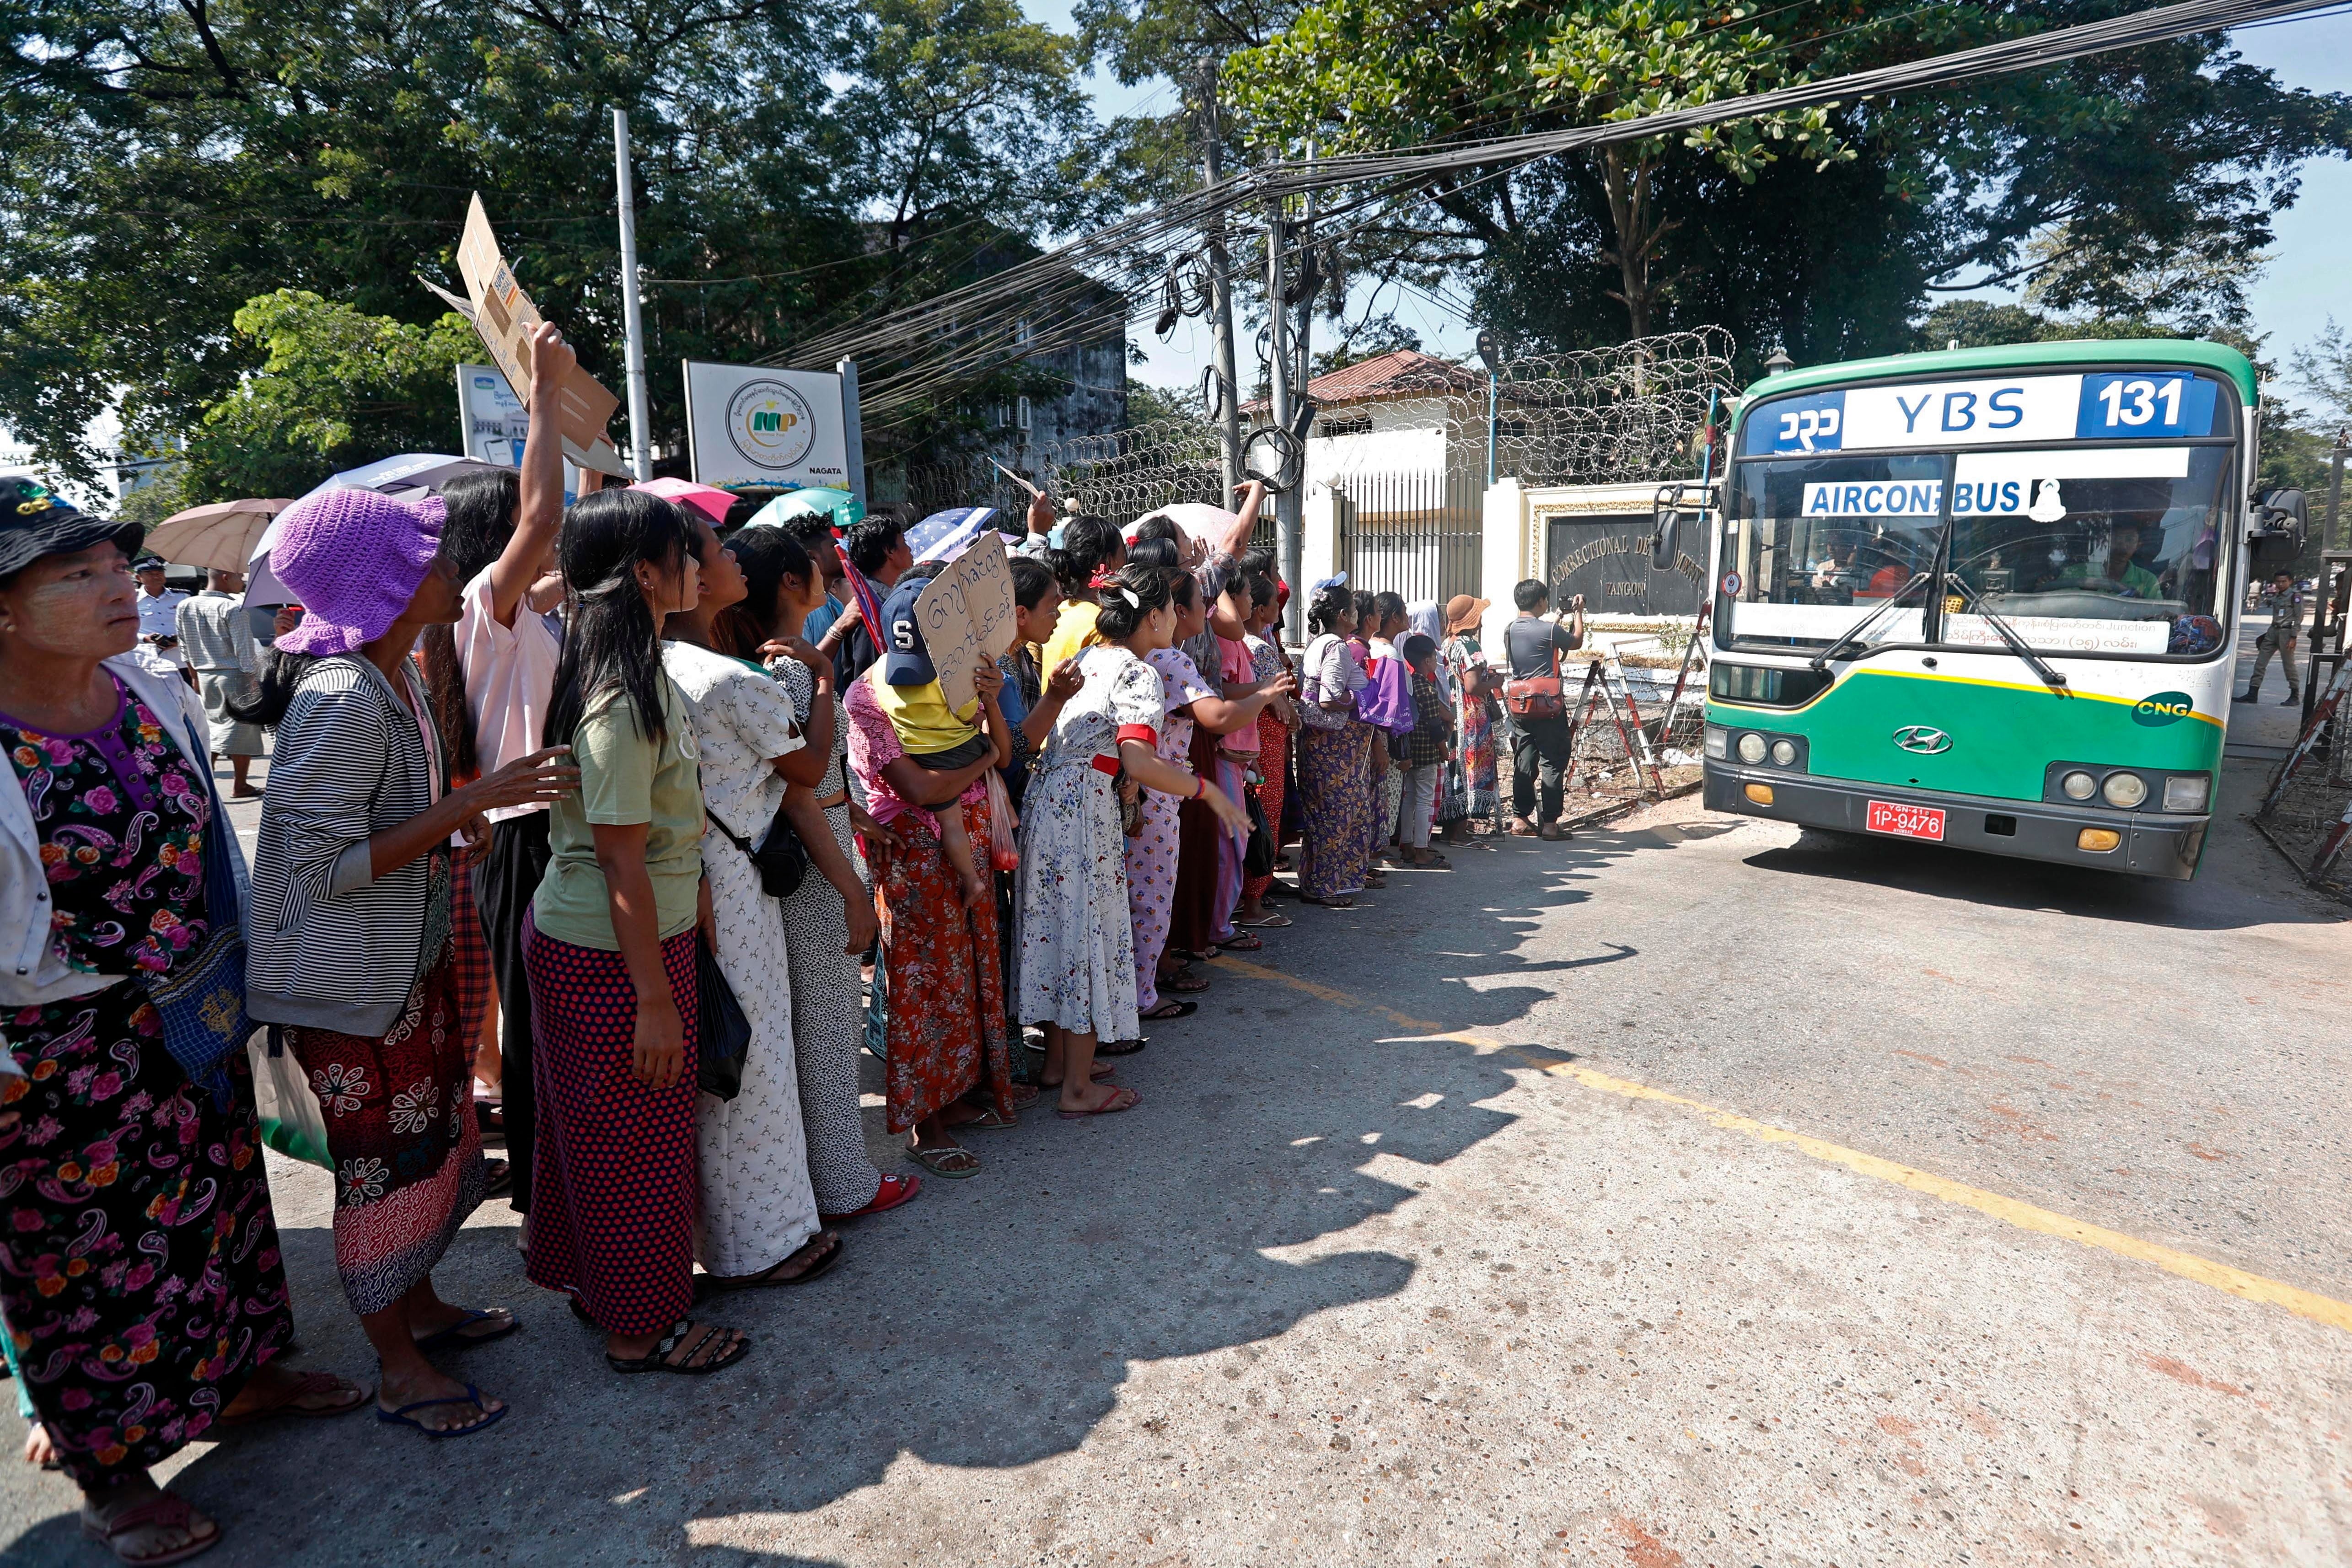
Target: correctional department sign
[[749, 425]]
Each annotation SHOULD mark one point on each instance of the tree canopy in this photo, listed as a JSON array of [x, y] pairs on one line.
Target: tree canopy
[[2139, 184], [162, 166]]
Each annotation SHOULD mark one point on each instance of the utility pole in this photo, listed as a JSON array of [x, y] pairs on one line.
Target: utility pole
[[1289, 514], [631, 313], [2335, 488], [1286, 542], [1221, 291]]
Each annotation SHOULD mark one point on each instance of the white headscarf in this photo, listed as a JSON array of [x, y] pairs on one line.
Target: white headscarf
[[1427, 618]]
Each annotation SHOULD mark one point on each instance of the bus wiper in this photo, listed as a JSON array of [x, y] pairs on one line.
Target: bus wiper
[[2033, 661], [1820, 661]]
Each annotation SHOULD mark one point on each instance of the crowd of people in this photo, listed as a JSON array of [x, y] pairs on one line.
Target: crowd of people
[[587, 826]]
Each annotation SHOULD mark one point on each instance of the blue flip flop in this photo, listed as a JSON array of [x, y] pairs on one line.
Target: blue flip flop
[[456, 1335], [473, 1397]]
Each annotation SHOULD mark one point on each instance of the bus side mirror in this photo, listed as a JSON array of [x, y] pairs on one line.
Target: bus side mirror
[[2281, 526], [1665, 535]]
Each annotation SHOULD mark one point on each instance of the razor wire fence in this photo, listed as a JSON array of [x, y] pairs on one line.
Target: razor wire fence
[[1633, 411]]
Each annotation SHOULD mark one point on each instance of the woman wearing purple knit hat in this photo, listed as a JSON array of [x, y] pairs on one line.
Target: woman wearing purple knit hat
[[362, 939]]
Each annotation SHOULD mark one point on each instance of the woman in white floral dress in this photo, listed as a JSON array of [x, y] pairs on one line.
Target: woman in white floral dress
[[758, 1220], [1078, 950], [830, 918]]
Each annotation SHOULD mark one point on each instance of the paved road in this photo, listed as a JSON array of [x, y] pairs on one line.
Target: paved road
[[1406, 1260]]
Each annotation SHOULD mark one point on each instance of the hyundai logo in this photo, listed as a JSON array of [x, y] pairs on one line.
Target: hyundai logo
[[1923, 739]]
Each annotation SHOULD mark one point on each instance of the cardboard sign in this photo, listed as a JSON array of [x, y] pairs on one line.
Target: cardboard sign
[[504, 316], [966, 616]]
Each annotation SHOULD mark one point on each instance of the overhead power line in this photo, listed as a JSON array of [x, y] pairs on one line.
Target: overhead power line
[[1059, 299]]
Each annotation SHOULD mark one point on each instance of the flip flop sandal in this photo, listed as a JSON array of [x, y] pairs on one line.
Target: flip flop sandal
[[1265, 922], [1129, 1048], [769, 1276], [1169, 1009], [1184, 980], [309, 1383], [499, 1178], [473, 1397], [164, 1510], [942, 1163], [655, 1360], [1120, 1099], [1242, 943], [1024, 1101], [895, 1190], [992, 1121], [456, 1337]]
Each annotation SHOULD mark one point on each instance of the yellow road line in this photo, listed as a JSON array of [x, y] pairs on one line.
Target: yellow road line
[[2011, 1210]]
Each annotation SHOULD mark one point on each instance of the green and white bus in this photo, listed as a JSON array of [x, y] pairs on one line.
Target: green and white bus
[[1987, 598]]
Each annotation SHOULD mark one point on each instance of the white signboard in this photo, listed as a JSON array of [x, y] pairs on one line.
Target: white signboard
[[966, 616], [494, 420], [749, 424], [496, 424]]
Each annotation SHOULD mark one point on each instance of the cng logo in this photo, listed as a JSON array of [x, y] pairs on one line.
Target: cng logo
[[771, 424], [2164, 708], [1925, 740]]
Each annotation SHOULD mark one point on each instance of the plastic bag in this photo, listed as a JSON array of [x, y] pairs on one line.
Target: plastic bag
[[1003, 848], [291, 1122]]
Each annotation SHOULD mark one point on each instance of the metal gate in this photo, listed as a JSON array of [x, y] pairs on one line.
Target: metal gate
[[1418, 535]]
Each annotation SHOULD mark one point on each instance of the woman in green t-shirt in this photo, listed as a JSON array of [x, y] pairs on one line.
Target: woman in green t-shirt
[[611, 949]]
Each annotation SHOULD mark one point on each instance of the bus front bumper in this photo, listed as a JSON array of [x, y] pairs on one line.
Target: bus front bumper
[[2153, 844]]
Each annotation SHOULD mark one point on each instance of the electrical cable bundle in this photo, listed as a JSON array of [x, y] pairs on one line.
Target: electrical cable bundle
[[1067, 296]]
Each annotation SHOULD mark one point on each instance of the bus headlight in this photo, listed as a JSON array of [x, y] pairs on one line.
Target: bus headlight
[[2186, 791], [1718, 741], [1752, 748], [2079, 785], [1784, 751], [2124, 791]]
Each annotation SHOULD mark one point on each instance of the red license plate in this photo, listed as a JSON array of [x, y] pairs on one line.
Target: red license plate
[[1905, 821]]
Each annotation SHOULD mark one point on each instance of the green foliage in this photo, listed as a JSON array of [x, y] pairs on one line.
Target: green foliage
[[2325, 370], [1150, 405], [335, 389], [161, 165], [2149, 178]]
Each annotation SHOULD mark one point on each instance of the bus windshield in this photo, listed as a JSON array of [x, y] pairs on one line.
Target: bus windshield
[[2079, 549]]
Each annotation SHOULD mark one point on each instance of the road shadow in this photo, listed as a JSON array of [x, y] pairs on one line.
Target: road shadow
[[988, 1325]]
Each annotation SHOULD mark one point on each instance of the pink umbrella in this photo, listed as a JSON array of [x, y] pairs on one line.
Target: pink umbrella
[[707, 499]]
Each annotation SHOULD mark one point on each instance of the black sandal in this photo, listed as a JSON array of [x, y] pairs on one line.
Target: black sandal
[[657, 1359], [1129, 1048], [1171, 1008]]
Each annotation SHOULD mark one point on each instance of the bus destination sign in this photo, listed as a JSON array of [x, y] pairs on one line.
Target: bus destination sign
[[2104, 405]]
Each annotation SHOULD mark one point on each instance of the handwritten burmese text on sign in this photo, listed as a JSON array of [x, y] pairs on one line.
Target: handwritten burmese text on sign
[[966, 616]]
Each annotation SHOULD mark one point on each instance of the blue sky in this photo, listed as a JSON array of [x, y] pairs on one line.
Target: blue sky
[[2308, 278]]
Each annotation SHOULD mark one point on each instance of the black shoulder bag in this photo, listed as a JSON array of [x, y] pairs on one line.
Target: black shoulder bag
[[781, 858]]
